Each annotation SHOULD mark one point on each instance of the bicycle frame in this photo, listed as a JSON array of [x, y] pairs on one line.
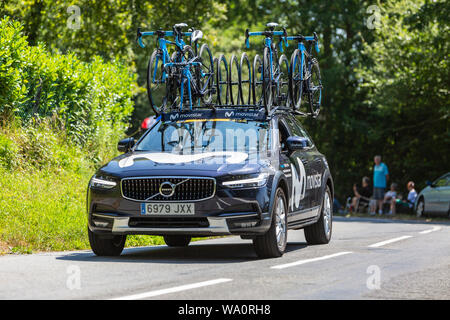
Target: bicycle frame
[[162, 45], [303, 49]]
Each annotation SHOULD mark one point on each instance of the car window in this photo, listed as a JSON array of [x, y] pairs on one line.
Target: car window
[[297, 129], [443, 181]]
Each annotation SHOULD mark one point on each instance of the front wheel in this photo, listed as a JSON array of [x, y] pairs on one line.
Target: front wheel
[[111, 246], [273, 243], [420, 209], [320, 232]]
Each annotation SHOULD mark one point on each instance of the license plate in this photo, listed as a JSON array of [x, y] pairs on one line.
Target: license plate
[[167, 208]]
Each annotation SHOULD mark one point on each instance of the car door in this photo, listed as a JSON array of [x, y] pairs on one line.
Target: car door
[[439, 196], [315, 179], [300, 200]]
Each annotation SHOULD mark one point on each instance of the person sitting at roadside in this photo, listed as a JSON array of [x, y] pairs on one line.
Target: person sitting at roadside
[[391, 197], [412, 195], [361, 194]]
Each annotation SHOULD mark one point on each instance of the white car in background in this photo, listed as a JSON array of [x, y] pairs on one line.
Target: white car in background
[[435, 198]]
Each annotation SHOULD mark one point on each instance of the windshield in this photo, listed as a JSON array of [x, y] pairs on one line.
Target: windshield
[[200, 136]]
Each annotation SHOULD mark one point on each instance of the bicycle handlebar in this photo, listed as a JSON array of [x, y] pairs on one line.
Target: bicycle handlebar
[[159, 33], [282, 34], [314, 38]]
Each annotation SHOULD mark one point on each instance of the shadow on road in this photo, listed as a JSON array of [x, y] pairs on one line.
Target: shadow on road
[[195, 253]]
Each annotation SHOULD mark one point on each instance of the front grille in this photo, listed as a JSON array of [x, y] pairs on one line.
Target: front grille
[[186, 189], [147, 222]]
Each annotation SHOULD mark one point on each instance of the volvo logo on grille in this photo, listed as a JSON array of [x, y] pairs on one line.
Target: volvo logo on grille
[[167, 189]]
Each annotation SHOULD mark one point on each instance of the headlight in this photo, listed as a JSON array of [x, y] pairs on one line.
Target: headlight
[[102, 183], [256, 181]]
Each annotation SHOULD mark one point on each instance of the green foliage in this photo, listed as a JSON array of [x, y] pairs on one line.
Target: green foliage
[[407, 82], [89, 101]]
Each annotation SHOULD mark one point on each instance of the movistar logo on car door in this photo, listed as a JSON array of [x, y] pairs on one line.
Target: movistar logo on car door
[[300, 183]]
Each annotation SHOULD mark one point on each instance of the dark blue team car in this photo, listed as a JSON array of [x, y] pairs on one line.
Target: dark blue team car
[[211, 173]]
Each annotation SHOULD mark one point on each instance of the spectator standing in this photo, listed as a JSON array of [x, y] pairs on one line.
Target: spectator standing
[[380, 178]]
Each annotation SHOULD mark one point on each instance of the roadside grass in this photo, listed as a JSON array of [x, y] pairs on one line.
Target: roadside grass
[[46, 211]]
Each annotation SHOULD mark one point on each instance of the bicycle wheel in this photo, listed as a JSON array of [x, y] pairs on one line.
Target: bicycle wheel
[[267, 81], [222, 81], [206, 79], [257, 81], [245, 81], [283, 82], [156, 82], [234, 77], [315, 88], [296, 79]]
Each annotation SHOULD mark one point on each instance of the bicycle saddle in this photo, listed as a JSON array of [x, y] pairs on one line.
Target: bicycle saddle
[[196, 35], [272, 25], [180, 25]]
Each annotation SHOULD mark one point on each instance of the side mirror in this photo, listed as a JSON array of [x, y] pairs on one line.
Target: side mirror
[[126, 144], [296, 143]]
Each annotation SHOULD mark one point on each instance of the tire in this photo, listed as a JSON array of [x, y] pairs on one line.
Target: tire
[[283, 84], [420, 209], [257, 81], [320, 232], [315, 89], [157, 82], [234, 79], [206, 80], [177, 241], [111, 247], [245, 82], [222, 81], [270, 245], [267, 81], [296, 77]]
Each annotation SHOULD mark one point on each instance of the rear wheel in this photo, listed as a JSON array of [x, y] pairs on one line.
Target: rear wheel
[[206, 74], [177, 241], [273, 243], [320, 232], [283, 83], [111, 246], [222, 81], [297, 74], [245, 82], [257, 78], [157, 82], [234, 80], [315, 89]]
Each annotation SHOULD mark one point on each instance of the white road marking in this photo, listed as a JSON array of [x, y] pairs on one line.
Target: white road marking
[[172, 290], [382, 243], [430, 230], [296, 263]]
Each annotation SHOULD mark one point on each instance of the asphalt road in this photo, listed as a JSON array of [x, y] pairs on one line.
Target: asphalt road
[[366, 259]]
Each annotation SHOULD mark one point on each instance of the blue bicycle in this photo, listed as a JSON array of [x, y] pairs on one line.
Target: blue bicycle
[[170, 77], [305, 77], [271, 75]]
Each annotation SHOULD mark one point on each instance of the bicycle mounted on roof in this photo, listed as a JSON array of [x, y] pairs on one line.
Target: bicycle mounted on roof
[[188, 79]]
